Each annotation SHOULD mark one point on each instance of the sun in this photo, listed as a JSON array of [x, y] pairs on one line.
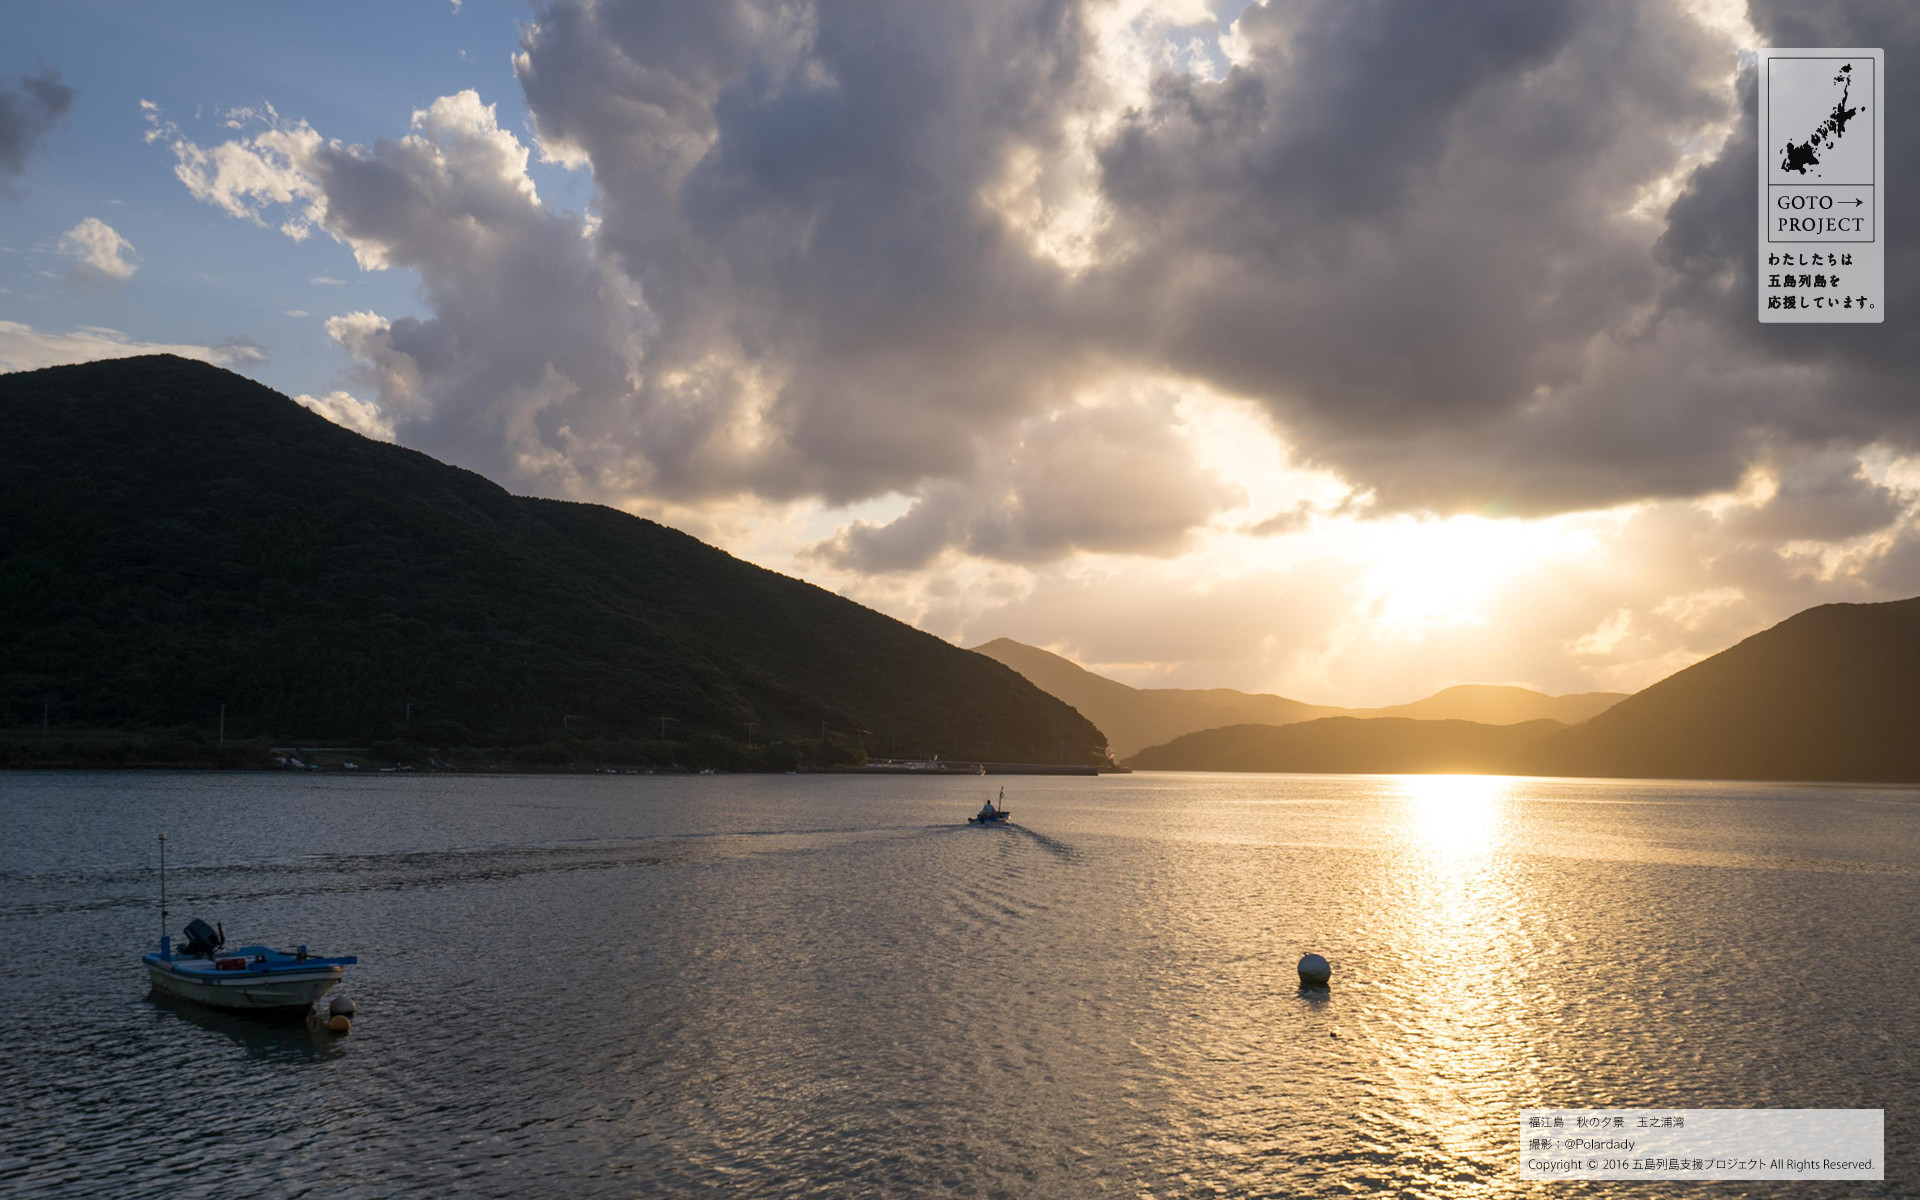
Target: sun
[[1434, 572]]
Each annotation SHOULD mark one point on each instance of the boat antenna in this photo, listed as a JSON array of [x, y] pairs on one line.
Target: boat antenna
[[163, 887]]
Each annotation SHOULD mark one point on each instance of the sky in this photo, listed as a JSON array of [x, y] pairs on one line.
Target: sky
[[1345, 349]]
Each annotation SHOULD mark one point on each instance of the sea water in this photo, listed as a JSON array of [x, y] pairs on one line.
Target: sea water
[[830, 985]]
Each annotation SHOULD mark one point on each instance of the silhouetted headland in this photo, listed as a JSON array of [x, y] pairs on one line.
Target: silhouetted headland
[[203, 550]]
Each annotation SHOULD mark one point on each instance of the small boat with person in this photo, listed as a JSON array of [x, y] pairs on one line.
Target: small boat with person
[[991, 813]]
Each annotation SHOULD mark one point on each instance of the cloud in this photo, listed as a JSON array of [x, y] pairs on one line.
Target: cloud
[[240, 350], [823, 270], [24, 348], [1852, 383], [99, 252], [1417, 236], [327, 281], [1423, 240], [1818, 496], [923, 265], [247, 177], [1346, 613], [298, 313], [347, 410], [833, 309], [845, 254], [30, 105], [524, 368], [1110, 477]]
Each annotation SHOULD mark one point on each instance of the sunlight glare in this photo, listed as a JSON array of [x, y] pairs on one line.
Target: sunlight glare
[[1455, 815], [1430, 573]]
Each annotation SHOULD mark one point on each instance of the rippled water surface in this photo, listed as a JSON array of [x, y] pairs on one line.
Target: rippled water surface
[[826, 986]]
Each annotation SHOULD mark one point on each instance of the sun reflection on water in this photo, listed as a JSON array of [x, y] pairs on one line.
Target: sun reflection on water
[[1455, 815], [1457, 971]]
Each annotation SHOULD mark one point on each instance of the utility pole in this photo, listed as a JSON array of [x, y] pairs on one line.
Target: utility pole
[[409, 714], [663, 725], [46, 719], [223, 722], [751, 726]]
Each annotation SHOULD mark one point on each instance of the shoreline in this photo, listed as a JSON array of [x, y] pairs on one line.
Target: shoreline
[[1027, 769]]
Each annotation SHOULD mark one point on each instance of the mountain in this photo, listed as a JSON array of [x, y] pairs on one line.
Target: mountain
[[1491, 704], [1832, 693], [1135, 718], [1330, 745], [178, 537]]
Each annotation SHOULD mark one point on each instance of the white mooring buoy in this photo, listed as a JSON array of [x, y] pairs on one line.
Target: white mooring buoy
[[340, 1014], [1314, 971], [335, 1016]]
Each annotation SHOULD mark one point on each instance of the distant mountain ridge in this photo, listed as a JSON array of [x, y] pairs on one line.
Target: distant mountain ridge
[[1351, 745], [1498, 704], [1136, 718], [178, 537], [1831, 694]]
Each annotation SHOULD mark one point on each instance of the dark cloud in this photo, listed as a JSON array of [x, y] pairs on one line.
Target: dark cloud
[[841, 250], [1896, 574], [1302, 514], [1111, 478], [1398, 226], [1405, 228], [797, 191], [29, 107], [1854, 382], [1820, 497]]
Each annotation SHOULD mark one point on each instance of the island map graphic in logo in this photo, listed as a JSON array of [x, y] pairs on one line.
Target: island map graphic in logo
[[1803, 157]]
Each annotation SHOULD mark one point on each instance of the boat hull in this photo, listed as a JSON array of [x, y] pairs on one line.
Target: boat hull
[[246, 990]]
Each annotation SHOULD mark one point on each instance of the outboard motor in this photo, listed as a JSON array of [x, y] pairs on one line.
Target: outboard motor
[[203, 939]]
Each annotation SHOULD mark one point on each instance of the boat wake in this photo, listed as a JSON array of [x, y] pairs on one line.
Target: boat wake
[[1052, 845]]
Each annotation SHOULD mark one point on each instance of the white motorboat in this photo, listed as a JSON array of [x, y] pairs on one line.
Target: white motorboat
[[250, 977]]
